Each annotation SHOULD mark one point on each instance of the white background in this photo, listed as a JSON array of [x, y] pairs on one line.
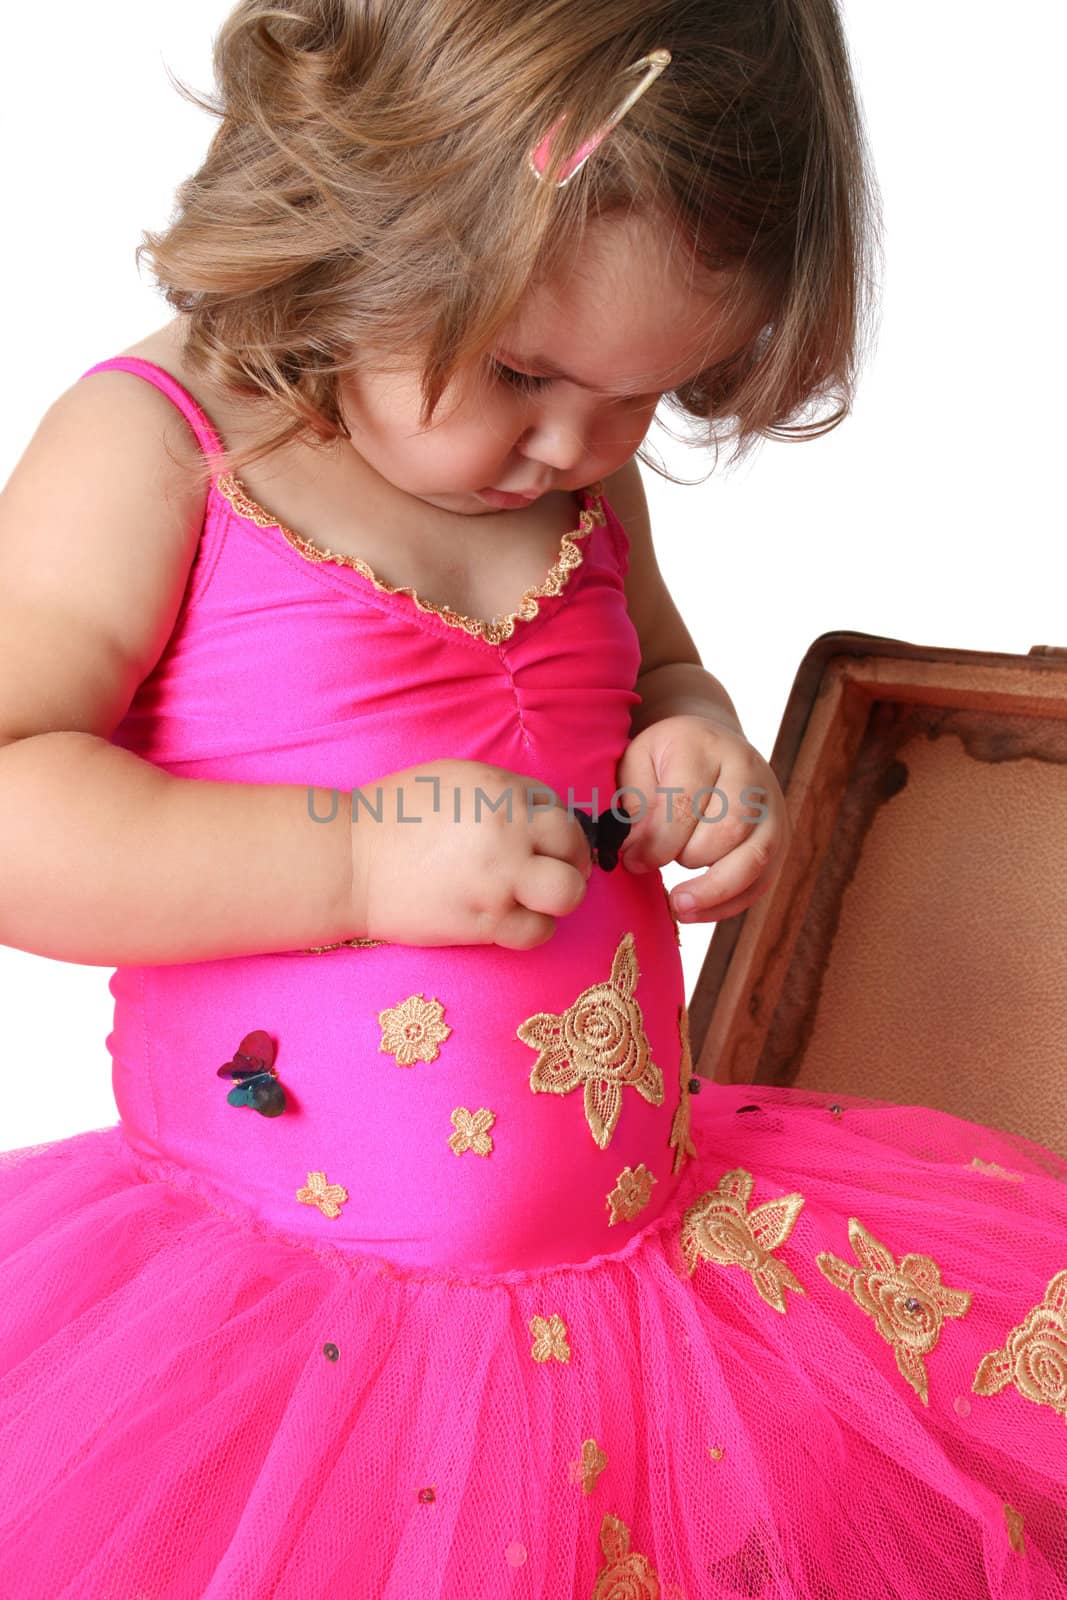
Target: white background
[[931, 515]]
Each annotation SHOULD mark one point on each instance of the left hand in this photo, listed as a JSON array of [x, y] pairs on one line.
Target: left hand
[[740, 834]]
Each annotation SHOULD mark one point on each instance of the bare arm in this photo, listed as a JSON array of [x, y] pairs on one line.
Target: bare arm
[[672, 679], [104, 858]]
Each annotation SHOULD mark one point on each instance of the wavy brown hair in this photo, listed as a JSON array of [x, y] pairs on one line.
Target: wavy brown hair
[[367, 194]]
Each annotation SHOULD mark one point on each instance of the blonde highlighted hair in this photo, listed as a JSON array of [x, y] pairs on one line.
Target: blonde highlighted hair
[[367, 193]]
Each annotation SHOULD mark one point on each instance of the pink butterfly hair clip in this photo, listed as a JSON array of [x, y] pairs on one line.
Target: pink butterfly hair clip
[[655, 63]]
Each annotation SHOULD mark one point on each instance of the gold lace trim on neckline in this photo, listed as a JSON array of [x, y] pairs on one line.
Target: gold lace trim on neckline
[[493, 631]]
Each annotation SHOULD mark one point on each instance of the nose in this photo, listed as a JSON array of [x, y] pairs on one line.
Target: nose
[[553, 443]]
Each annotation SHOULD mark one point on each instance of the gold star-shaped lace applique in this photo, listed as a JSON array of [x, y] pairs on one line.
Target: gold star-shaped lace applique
[[719, 1228], [472, 1131], [1034, 1356], [413, 1030], [907, 1301], [550, 1339], [589, 1466], [599, 1042], [680, 1141], [632, 1192], [626, 1573], [329, 1197]]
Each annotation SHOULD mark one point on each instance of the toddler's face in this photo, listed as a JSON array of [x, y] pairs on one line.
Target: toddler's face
[[624, 322]]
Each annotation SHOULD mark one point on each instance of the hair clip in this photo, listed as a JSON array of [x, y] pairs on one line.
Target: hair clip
[[253, 1065], [656, 62], [605, 835]]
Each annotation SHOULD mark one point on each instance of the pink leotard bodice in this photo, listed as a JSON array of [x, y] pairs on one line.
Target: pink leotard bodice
[[468, 1109]]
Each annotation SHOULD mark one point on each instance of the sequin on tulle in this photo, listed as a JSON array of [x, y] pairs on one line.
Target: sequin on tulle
[[329, 1197], [907, 1300], [1033, 1358], [472, 1131], [631, 1194], [627, 1573], [719, 1228], [413, 1030], [494, 631], [598, 1042], [550, 1339], [680, 1140]]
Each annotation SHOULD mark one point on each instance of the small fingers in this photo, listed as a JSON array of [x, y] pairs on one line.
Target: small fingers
[[550, 886], [558, 833], [728, 887], [522, 929]]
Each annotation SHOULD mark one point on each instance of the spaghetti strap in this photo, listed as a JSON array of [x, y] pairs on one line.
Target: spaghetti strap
[[193, 412]]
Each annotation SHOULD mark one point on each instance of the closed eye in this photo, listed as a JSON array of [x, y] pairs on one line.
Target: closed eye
[[519, 380]]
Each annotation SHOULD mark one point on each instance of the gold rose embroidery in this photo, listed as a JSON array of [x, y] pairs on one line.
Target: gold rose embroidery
[[413, 1030], [680, 1141], [719, 1228], [1034, 1355], [1014, 1523], [631, 1194], [599, 1041], [589, 1466], [550, 1339], [627, 1576], [907, 1301], [329, 1197], [472, 1131]]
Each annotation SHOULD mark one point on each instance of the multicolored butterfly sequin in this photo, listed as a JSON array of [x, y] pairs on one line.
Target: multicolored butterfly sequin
[[253, 1065]]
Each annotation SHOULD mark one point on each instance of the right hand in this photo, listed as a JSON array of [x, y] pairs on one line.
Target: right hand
[[483, 879]]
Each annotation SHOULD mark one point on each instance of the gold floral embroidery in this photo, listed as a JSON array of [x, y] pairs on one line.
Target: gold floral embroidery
[[329, 1197], [412, 1030], [1016, 1529], [680, 1141], [589, 1465], [632, 1192], [550, 1338], [472, 1131], [599, 1041], [343, 944], [995, 1170], [494, 631], [1034, 1355], [719, 1228], [907, 1301], [627, 1576]]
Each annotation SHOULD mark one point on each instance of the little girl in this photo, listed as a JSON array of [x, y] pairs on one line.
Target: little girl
[[337, 667]]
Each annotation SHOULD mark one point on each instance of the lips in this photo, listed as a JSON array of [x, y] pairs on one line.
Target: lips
[[504, 501]]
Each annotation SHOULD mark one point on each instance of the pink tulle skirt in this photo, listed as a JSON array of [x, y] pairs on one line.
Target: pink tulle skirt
[[837, 1370]]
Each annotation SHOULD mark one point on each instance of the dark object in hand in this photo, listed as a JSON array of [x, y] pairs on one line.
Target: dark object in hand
[[605, 835], [253, 1065]]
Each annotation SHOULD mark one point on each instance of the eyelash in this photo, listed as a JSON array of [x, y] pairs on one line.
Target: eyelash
[[519, 380]]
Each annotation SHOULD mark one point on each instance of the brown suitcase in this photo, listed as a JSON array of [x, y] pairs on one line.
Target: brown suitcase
[[912, 945]]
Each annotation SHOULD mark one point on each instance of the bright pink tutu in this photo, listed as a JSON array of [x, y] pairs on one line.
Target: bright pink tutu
[[754, 1396]]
